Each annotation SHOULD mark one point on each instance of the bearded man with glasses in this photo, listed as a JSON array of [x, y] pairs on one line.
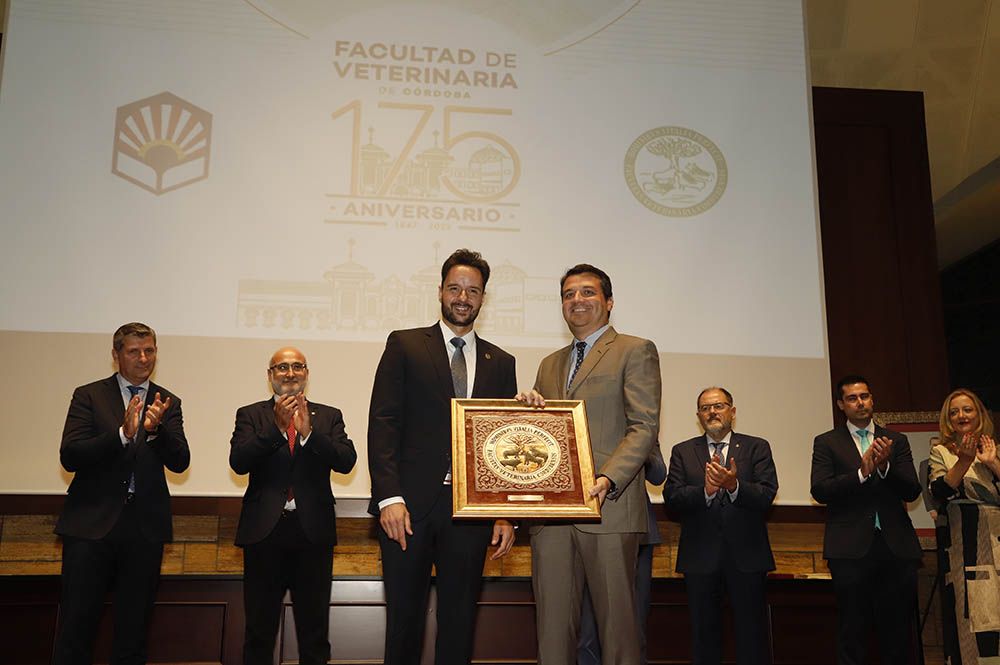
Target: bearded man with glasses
[[287, 527], [721, 485]]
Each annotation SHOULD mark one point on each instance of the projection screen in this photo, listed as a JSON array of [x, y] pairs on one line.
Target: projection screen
[[245, 174]]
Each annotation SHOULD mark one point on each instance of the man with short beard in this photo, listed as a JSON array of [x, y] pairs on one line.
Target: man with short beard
[[287, 527], [721, 486], [409, 458], [864, 474]]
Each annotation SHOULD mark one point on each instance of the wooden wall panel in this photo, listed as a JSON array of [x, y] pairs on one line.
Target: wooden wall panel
[[883, 300], [199, 620], [25, 629]]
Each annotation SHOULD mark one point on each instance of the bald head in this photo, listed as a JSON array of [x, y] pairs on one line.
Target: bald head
[[287, 371]]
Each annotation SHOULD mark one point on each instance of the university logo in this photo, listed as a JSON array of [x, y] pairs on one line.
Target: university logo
[[522, 453], [675, 171], [162, 143]]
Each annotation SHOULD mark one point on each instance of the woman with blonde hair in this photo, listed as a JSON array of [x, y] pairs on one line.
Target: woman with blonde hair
[[963, 465]]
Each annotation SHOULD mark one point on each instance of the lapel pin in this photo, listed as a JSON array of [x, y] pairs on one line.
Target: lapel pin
[[489, 357]]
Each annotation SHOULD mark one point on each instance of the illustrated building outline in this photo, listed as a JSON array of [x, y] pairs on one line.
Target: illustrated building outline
[[351, 298]]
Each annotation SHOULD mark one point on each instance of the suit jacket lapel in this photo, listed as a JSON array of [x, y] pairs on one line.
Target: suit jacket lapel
[[593, 357], [439, 359], [735, 450], [266, 413], [564, 369], [701, 450], [114, 398], [484, 367], [848, 441]]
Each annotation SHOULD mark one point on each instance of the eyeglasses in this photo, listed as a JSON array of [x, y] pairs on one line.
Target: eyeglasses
[[718, 407], [854, 398], [282, 368]]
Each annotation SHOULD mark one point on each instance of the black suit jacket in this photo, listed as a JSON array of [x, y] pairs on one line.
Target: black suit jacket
[[409, 422], [259, 448], [92, 449], [851, 505], [739, 526]]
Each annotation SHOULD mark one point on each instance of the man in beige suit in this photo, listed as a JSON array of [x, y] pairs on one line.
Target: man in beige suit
[[618, 377]]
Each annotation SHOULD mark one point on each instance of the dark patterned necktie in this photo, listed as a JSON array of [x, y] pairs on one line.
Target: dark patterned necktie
[[718, 456], [581, 347], [133, 391], [459, 372]]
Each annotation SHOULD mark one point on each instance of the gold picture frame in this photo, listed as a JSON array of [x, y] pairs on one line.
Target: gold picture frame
[[513, 461]]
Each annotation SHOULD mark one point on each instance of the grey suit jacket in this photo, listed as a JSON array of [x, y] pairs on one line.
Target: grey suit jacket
[[619, 382]]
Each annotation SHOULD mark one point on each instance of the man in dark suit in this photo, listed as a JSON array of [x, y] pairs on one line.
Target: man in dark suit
[[120, 433], [721, 486], [287, 526], [864, 474], [618, 377], [409, 458], [588, 651]]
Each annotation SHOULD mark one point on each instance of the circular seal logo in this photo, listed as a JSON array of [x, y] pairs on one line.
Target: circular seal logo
[[675, 171], [522, 453]]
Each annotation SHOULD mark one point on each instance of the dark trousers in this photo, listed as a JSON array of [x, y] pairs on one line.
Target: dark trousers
[[457, 550], [746, 596], [123, 561], [878, 590], [588, 643], [287, 560]]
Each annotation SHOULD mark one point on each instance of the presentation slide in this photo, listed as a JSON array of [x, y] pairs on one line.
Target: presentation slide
[[246, 174]]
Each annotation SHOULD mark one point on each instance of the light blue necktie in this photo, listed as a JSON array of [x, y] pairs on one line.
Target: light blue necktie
[[865, 444]]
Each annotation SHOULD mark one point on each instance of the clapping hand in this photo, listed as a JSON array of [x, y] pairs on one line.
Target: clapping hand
[[300, 416], [720, 476], [132, 414], [882, 447], [987, 453], [155, 411], [968, 449], [284, 411], [710, 487]]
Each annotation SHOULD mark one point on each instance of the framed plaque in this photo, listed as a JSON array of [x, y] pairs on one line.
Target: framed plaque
[[509, 460]]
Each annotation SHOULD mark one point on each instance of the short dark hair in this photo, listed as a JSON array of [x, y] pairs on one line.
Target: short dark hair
[[466, 257], [725, 392], [135, 329], [585, 268], [850, 379]]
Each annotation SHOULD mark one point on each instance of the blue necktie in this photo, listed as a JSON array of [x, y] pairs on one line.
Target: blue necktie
[[865, 444], [581, 347], [133, 391]]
